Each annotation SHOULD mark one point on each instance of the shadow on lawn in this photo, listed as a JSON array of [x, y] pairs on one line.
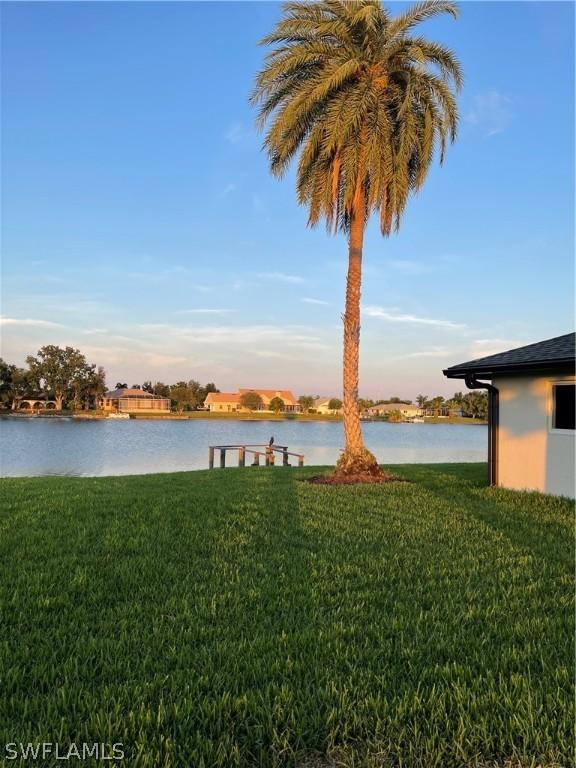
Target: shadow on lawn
[[528, 521], [268, 656]]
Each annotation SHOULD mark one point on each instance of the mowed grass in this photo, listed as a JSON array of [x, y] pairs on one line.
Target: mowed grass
[[246, 618]]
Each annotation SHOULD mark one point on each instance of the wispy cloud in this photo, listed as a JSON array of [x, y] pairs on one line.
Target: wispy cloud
[[160, 361], [320, 302], [204, 311], [253, 336], [491, 112], [236, 132], [395, 316], [281, 277], [29, 322], [487, 347], [430, 352], [228, 189]]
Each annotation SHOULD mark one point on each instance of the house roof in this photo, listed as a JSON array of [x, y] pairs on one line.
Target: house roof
[[125, 392], [221, 397], [268, 394], [550, 354]]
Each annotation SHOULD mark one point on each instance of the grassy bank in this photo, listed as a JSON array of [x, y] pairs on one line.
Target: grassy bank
[[245, 618]]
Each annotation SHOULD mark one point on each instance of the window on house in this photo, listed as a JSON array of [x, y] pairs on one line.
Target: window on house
[[564, 415]]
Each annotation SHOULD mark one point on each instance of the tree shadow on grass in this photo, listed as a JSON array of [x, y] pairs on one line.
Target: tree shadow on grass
[[539, 524], [255, 663]]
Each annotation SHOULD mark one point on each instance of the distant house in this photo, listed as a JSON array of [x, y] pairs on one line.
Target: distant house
[[229, 402], [133, 401], [382, 409], [226, 402], [531, 415], [33, 403], [321, 405]]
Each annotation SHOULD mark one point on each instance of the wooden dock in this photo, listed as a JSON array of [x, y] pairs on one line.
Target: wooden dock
[[267, 452]]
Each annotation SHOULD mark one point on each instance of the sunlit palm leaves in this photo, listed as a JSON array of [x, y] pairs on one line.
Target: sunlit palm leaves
[[361, 101]]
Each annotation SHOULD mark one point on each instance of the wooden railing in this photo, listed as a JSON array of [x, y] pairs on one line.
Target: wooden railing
[[266, 451]]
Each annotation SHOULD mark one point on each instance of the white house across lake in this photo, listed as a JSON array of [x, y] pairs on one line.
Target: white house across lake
[[532, 396]]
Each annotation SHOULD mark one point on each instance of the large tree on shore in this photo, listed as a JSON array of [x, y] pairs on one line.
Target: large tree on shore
[[364, 104], [57, 369]]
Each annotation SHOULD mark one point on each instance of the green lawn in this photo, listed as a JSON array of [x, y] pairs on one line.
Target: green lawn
[[245, 618]]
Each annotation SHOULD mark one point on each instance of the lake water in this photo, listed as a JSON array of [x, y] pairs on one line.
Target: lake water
[[65, 446]]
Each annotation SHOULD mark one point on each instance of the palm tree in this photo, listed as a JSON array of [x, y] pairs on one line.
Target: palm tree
[[364, 105], [421, 401]]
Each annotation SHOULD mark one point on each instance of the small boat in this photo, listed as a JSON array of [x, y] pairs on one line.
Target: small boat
[[416, 420], [118, 415]]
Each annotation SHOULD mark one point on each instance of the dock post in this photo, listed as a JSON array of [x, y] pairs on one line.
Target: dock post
[[285, 457], [301, 461], [211, 457], [242, 456], [222, 458]]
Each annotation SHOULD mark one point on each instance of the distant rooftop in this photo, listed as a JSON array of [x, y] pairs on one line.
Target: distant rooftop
[[268, 394], [550, 354], [125, 392]]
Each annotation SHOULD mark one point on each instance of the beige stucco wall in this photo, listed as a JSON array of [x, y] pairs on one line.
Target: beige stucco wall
[[531, 455]]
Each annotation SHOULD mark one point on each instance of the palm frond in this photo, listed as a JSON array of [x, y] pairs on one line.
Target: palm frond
[[365, 106]]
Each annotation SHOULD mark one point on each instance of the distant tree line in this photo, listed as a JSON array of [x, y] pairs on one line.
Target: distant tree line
[[64, 376], [473, 404]]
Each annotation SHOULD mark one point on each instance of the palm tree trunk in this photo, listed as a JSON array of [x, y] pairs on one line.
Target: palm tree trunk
[[352, 430], [356, 459]]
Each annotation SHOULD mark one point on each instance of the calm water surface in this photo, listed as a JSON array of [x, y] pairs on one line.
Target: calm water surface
[[64, 446]]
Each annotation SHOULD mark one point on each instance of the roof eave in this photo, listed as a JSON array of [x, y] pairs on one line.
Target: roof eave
[[457, 372]]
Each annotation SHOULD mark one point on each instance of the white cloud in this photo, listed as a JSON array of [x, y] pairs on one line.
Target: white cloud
[[29, 322], [320, 302], [395, 316], [281, 277], [491, 112], [487, 347]]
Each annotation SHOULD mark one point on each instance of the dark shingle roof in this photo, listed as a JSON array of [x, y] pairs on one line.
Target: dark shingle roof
[[125, 392], [559, 352]]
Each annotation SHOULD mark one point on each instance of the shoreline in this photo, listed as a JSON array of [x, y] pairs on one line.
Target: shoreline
[[204, 415]]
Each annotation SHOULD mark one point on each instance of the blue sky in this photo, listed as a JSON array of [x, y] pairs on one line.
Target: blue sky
[[141, 225]]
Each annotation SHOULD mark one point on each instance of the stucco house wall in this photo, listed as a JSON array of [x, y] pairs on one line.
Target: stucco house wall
[[531, 454]]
